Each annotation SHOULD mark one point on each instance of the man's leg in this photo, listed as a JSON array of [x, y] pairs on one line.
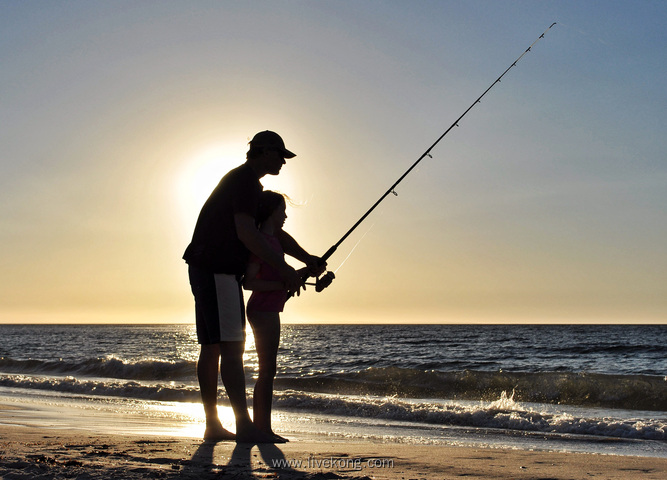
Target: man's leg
[[202, 283], [207, 374]]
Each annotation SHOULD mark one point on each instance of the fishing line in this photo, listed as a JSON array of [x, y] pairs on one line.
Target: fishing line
[[328, 277], [353, 248], [325, 280]]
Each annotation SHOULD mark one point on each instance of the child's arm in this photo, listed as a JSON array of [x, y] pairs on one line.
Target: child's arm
[[291, 247], [251, 282]]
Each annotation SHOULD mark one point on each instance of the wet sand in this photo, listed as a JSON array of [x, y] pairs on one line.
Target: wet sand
[[28, 452]]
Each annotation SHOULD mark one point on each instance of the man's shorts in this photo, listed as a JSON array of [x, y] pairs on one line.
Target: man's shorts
[[219, 310]]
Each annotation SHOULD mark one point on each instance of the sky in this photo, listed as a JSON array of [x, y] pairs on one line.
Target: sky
[[548, 204]]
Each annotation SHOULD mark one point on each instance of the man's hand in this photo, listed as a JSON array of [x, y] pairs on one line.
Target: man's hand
[[315, 265]]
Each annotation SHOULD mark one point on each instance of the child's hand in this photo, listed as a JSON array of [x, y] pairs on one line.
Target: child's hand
[[292, 279], [297, 292]]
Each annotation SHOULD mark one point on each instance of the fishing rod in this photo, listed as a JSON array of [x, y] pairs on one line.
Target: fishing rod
[[328, 277]]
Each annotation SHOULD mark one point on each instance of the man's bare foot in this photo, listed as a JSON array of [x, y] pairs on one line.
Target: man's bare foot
[[216, 433]]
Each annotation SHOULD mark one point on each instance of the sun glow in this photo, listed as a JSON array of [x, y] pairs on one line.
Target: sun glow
[[201, 174]]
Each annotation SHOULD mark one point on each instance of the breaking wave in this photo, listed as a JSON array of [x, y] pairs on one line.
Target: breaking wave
[[105, 367], [634, 392]]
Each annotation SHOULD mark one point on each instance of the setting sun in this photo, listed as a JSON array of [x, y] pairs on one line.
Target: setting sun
[[201, 174]]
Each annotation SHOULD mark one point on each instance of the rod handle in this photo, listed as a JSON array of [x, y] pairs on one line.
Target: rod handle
[[329, 252]]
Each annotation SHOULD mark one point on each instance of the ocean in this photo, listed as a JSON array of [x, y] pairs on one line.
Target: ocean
[[589, 388]]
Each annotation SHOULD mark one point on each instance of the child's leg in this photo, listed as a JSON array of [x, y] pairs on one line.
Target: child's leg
[[266, 328]]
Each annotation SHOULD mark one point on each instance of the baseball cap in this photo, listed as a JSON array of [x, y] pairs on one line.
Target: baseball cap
[[272, 140]]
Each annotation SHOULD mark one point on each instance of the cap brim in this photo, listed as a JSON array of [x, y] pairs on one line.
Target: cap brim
[[287, 154]]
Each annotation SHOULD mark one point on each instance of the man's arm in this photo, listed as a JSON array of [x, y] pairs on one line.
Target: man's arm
[[255, 242], [251, 282]]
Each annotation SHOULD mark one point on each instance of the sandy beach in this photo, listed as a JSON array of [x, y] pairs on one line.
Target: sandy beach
[[32, 453]]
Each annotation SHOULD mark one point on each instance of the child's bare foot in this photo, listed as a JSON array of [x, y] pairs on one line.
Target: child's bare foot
[[216, 433], [269, 431], [252, 434], [279, 438]]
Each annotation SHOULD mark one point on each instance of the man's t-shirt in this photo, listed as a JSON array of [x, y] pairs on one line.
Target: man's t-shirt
[[215, 243]]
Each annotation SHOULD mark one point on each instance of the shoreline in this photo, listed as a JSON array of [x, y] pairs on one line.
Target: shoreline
[[31, 452]]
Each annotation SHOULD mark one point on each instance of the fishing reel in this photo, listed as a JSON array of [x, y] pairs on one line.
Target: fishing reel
[[323, 282]]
